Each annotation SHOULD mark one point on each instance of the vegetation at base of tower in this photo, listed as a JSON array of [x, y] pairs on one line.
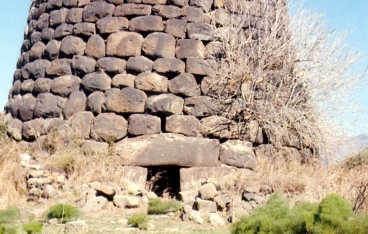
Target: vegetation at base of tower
[[332, 215], [292, 74], [33, 227], [63, 212], [158, 206], [139, 220]]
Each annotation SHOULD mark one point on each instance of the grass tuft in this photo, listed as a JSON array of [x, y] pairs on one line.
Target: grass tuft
[[157, 206], [139, 220], [63, 212], [33, 227]]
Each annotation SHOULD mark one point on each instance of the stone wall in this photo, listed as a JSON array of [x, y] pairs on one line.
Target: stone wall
[[133, 72]]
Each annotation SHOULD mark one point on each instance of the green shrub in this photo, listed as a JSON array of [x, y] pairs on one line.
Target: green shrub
[[6, 229], [33, 227], [63, 212], [9, 215], [332, 216], [2, 229], [157, 206], [140, 221]]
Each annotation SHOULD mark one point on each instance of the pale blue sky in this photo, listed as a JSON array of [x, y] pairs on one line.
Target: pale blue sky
[[341, 14]]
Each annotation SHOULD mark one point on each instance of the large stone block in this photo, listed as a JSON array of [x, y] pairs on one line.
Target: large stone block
[[74, 15], [194, 14], [84, 29], [189, 48], [97, 10], [109, 127], [95, 102], [15, 129], [76, 103], [150, 23], [81, 124], [176, 27], [184, 84], [204, 4], [201, 31], [71, 45], [179, 2], [168, 149], [63, 30], [169, 65], [151, 82], [65, 85], [238, 153], [140, 124], [132, 10], [154, 2], [127, 100], [159, 45], [124, 44], [59, 67], [83, 65], [123, 80], [26, 107], [58, 16], [165, 103], [36, 69], [37, 51], [95, 47], [139, 64], [52, 50], [183, 124], [112, 24], [199, 67], [112, 65], [96, 81], [42, 85], [201, 106], [220, 127], [33, 129], [167, 12], [49, 106], [27, 86]]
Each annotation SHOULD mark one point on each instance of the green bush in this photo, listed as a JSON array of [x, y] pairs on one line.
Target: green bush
[[63, 212], [9, 215], [33, 227], [157, 206], [6, 229], [332, 216], [140, 221]]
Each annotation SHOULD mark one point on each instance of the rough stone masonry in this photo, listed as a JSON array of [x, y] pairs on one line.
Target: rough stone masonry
[[133, 72]]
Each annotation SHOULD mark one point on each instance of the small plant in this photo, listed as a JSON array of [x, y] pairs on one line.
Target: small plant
[[33, 227], [9, 215], [157, 206], [139, 220], [63, 212]]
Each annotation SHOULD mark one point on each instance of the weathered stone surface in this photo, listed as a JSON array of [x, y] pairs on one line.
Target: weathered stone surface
[[36, 69], [65, 85], [74, 15], [35, 37], [113, 65], [127, 100], [154, 2], [95, 47], [14, 105], [58, 16], [140, 124], [169, 65], [139, 64], [200, 31], [215, 219], [196, 217], [59, 67], [199, 67], [71, 45], [204, 4], [165, 103], [63, 30], [208, 191], [26, 107], [189, 48], [194, 14], [183, 124], [50, 123], [49, 106], [95, 102], [27, 86], [179, 2], [148, 23], [255, 132], [112, 24], [201, 106], [76, 103], [49, 192], [109, 127], [123, 80], [116, 2], [105, 190], [95, 204], [151, 82], [15, 129], [37, 51], [176, 27], [136, 175], [159, 45], [219, 127], [84, 29], [126, 201], [168, 149], [184, 84], [83, 65], [16, 87], [33, 129], [95, 148], [78, 226], [54, 4], [47, 34], [167, 12], [52, 49], [238, 153], [132, 10], [97, 10], [43, 21], [124, 44], [83, 2], [96, 81], [206, 207], [81, 123]]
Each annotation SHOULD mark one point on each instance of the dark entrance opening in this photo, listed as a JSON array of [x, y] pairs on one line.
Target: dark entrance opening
[[164, 180]]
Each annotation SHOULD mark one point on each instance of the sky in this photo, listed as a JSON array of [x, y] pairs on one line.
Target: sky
[[341, 15]]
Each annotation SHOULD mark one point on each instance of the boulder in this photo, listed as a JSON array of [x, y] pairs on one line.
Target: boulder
[[83, 65], [15, 129], [27, 86], [64, 30], [176, 27], [132, 10], [84, 29], [124, 44], [165, 103], [127, 201], [189, 48], [37, 51], [126, 100], [57, 17], [206, 207], [184, 84], [71, 45], [49, 106], [140, 124], [168, 149], [149, 23], [208, 191], [195, 14], [97, 81], [59, 67], [74, 15], [109, 24], [139, 64], [201, 31], [151, 82], [81, 124], [109, 127], [95, 148], [179, 2], [182, 124], [238, 154], [169, 65], [75, 103], [95, 47], [112, 65], [52, 50], [97, 10], [65, 85], [123, 80], [215, 219], [204, 4], [159, 45], [95, 102], [167, 12], [219, 127], [26, 107], [199, 67], [78, 226], [33, 129], [201, 106], [95, 205]]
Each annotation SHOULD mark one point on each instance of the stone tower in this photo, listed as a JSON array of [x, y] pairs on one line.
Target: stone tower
[[132, 72]]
